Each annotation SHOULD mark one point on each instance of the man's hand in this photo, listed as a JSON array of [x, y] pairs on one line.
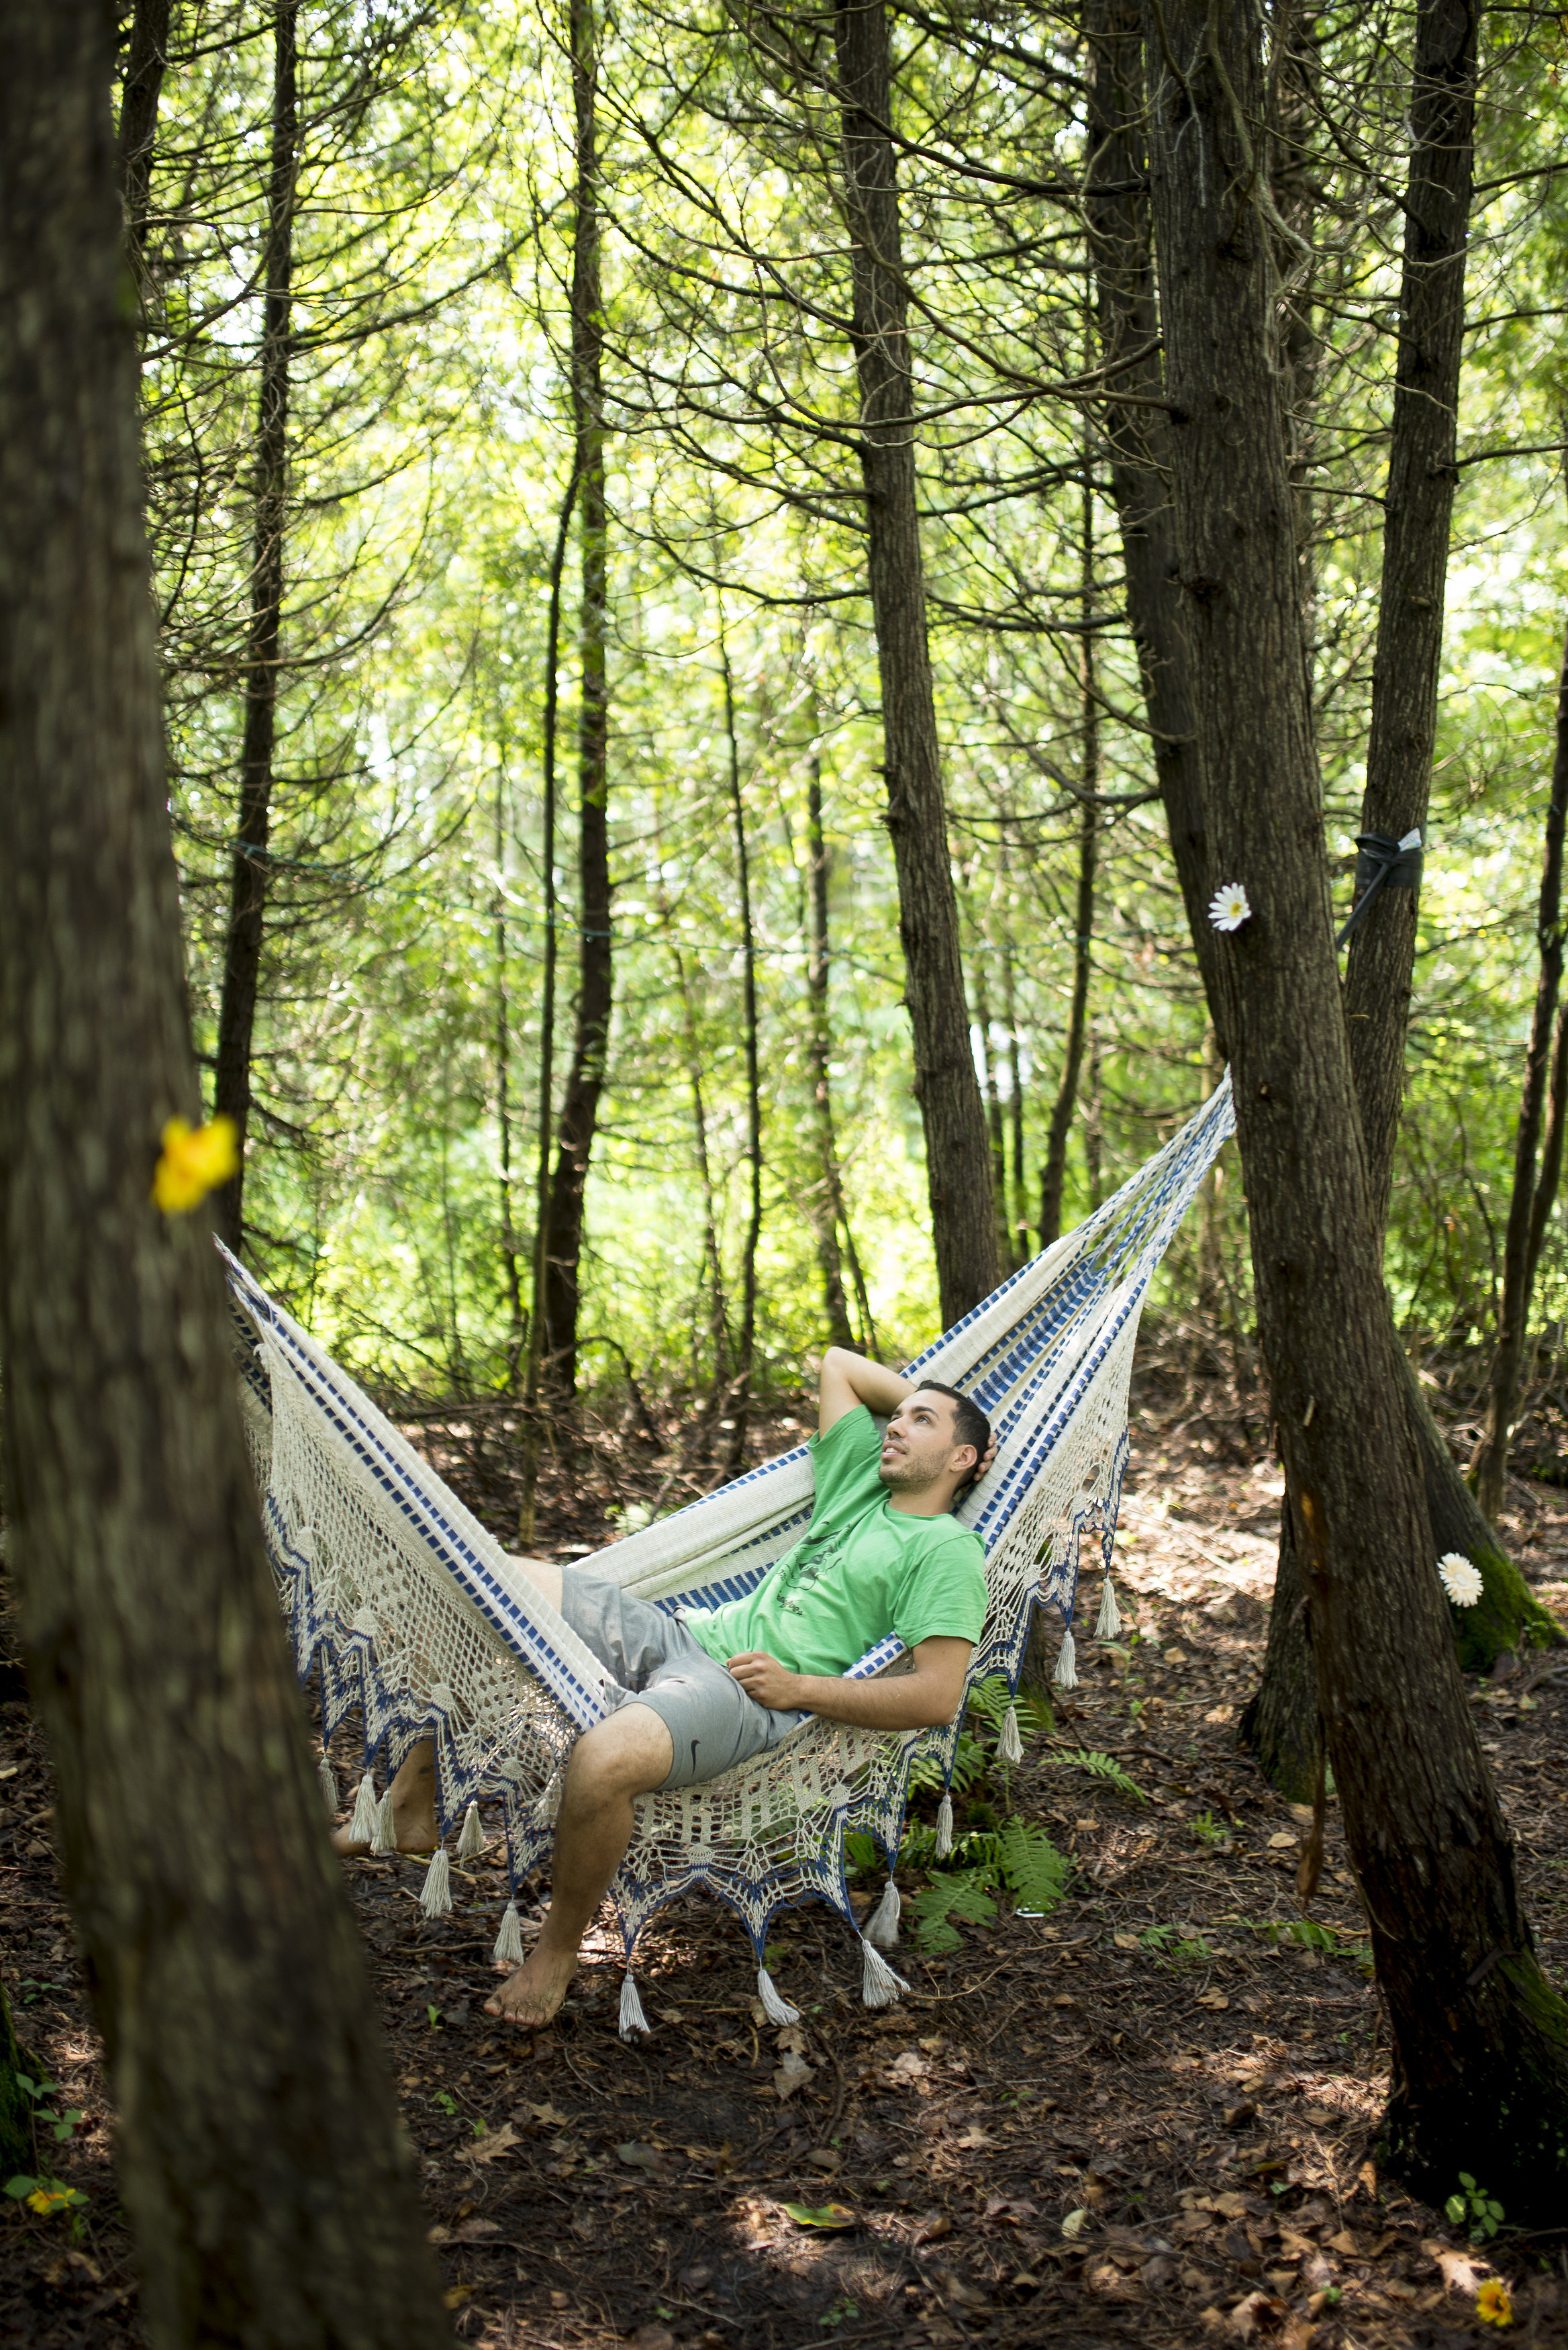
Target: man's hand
[[767, 1681], [924, 1696]]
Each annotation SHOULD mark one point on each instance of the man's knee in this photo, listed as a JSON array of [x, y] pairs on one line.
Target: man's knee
[[629, 1753]]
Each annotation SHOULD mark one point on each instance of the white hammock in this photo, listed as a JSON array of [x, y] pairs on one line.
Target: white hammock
[[412, 1611]]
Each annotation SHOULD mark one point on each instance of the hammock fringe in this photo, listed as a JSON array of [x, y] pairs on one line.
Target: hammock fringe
[[1010, 1746], [879, 1983], [471, 1843], [327, 1784], [633, 2018], [777, 2009], [509, 1950], [1066, 1673], [881, 1928], [1109, 1623], [385, 1835], [436, 1893], [362, 1826], [944, 1827]]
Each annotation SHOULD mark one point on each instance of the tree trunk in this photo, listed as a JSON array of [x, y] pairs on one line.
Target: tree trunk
[[829, 1211], [1551, 1145], [1479, 2041], [991, 1095], [533, 1431], [511, 1284], [248, 878], [1018, 1227], [16, 2105], [712, 1262], [261, 2157], [1053, 1178], [146, 63], [1137, 439], [1417, 511], [590, 1047], [958, 1155], [1490, 1464], [740, 1397]]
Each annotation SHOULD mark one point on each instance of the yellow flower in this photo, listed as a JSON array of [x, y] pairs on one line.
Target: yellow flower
[[195, 1161], [1493, 2307], [46, 2199]]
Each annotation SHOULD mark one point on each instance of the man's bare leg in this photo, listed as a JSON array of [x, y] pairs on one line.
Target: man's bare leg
[[628, 1756], [413, 1808]]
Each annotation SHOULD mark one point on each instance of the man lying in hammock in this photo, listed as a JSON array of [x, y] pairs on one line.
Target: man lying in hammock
[[882, 1553]]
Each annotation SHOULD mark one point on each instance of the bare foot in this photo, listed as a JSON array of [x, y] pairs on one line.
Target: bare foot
[[532, 1995], [414, 1808]]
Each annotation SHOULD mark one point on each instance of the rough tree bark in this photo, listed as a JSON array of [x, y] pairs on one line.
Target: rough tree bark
[[146, 62], [590, 1046], [261, 2158], [1479, 2041], [957, 1152], [248, 877]]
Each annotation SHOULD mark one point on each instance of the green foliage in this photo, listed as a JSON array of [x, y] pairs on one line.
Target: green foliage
[[1473, 2208], [991, 1699], [961, 1893], [1106, 1768], [1210, 1831], [1018, 1858], [1308, 1934]]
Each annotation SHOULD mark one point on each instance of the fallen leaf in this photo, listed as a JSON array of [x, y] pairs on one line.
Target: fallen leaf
[[908, 2067], [456, 2295], [1318, 2115], [1231, 2205], [1460, 2273], [1073, 2225], [653, 2338], [474, 2231], [1125, 1941], [1235, 2115], [792, 2072], [1176, 1656], [1260, 2312], [1212, 1999], [1282, 1840], [932, 2229], [548, 2118], [492, 2144], [1345, 2243], [825, 2158], [637, 2156], [829, 2219], [791, 2041]]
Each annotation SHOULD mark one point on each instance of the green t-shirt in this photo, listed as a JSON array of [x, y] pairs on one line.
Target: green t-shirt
[[860, 1571]]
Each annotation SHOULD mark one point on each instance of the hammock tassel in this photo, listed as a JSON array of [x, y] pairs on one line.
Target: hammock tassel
[[881, 1928], [879, 1986], [777, 2009], [362, 1826], [1109, 1623], [327, 1784], [548, 1810], [436, 1893], [944, 1827], [633, 2018], [509, 1950], [1010, 1746], [1066, 1673], [471, 1843], [385, 1837]]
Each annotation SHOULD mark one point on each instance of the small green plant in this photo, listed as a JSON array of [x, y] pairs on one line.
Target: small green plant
[[842, 2309], [1210, 1831], [480, 2128], [45, 2195], [433, 2013], [38, 2093], [952, 1893], [1105, 1767], [1474, 2208], [1018, 1858], [445, 2100]]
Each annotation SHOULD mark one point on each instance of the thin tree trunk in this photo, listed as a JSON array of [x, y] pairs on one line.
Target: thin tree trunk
[[261, 2158], [1474, 2027], [740, 1397], [991, 1091], [1417, 514], [829, 1211], [1053, 1178], [1490, 1464], [533, 1432], [1551, 1145], [590, 1049], [248, 877], [1138, 439], [712, 1262], [1018, 1225], [958, 1158], [147, 61], [513, 1284]]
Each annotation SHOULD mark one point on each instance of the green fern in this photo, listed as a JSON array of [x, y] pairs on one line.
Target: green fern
[[1036, 1873], [951, 1894], [991, 1699], [1105, 1767]]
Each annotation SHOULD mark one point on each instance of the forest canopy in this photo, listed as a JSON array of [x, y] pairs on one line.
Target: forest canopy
[[417, 487]]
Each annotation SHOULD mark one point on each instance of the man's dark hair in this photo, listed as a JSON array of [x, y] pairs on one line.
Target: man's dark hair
[[970, 1425]]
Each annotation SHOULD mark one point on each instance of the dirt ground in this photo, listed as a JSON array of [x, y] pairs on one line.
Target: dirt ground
[[1146, 2118]]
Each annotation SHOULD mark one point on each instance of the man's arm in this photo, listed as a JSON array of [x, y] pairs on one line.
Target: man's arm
[[925, 1698], [846, 1379]]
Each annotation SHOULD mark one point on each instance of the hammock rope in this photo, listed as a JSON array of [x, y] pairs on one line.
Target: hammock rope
[[406, 1607]]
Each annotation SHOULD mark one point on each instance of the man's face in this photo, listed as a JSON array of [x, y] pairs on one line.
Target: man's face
[[920, 1445]]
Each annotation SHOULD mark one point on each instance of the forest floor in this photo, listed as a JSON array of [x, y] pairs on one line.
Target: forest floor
[[1146, 2118]]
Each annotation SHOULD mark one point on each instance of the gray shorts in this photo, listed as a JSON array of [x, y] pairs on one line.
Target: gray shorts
[[713, 1723]]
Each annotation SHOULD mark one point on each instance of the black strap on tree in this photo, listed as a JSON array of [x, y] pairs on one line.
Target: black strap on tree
[[1382, 863]]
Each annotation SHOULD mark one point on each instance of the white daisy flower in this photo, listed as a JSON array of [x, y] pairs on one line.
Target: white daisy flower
[[1460, 1579], [1228, 908]]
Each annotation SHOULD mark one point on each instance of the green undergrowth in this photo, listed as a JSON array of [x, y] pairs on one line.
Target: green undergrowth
[[996, 1855]]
